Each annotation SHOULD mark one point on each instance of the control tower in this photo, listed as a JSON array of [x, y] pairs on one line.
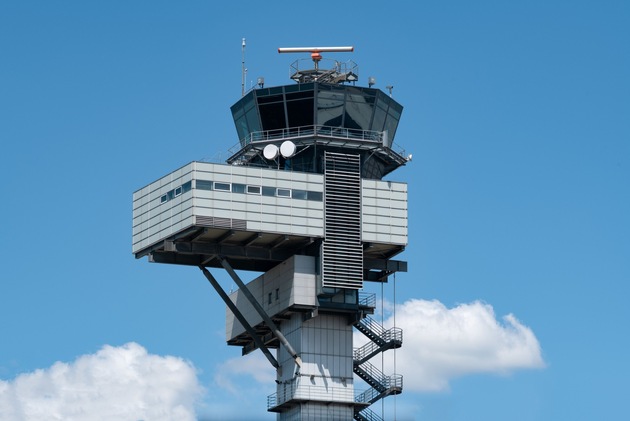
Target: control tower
[[301, 201]]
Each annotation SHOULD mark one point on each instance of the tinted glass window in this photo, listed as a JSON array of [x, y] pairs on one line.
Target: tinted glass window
[[284, 193], [268, 99], [252, 121], [268, 191], [393, 117], [239, 120], [253, 189], [300, 112], [329, 108], [203, 185], [272, 116], [358, 115], [238, 188], [299, 95], [379, 119], [186, 186], [299, 194], [222, 186], [315, 195]]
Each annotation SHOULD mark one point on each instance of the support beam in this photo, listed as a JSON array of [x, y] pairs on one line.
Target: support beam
[[239, 316], [198, 234], [225, 236], [261, 311], [251, 239], [389, 265], [251, 252], [266, 338], [279, 241]]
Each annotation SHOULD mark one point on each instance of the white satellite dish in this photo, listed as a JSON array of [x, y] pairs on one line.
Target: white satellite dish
[[270, 152], [287, 149]]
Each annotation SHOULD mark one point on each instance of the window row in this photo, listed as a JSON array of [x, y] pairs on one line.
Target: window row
[[176, 192], [243, 188], [259, 190]]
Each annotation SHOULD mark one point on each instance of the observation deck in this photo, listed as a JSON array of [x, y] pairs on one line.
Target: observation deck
[[374, 142], [319, 117]]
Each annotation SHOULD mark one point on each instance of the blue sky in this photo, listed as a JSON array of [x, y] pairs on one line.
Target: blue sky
[[517, 115]]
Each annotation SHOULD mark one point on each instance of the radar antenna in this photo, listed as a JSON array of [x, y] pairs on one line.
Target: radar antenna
[[339, 73]]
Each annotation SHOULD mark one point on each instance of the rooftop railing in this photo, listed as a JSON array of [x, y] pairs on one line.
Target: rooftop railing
[[294, 391], [367, 299], [374, 140], [310, 131]]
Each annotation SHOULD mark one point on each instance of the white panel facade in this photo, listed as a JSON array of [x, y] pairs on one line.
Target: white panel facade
[[155, 219], [384, 214], [325, 345], [317, 412], [384, 211]]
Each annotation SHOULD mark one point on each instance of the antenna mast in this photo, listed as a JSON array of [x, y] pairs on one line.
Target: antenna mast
[[243, 70]]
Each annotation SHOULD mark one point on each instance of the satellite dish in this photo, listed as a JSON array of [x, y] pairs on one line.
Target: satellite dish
[[287, 149], [270, 152]]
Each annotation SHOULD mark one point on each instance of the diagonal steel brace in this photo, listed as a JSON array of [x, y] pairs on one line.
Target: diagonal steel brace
[[261, 311], [240, 317]]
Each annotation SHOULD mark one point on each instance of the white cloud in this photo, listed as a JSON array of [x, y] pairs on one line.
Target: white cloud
[[440, 344], [115, 383], [242, 370]]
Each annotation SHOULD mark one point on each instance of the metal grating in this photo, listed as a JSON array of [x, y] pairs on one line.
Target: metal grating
[[342, 251], [212, 221]]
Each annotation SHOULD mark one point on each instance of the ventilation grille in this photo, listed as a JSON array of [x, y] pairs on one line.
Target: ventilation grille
[[342, 251], [211, 221]]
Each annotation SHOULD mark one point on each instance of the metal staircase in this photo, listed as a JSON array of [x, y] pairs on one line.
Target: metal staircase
[[367, 415], [381, 385]]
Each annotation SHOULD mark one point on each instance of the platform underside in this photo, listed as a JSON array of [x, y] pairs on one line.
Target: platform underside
[[260, 251]]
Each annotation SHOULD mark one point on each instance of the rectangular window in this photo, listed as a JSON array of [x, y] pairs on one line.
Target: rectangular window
[[238, 188], [178, 191], [299, 194], [277, 294], [222, 186], [351, 296], [186, 186], [163, 199], [315, 195], [269, 301], [253, 189], [203, 185], [283, 193], [268, 191]]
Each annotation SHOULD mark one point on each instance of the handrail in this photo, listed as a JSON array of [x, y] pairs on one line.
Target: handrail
[[367, 415], [372, 137], [392, 338], [309, 392], [372, 325], [311, 130], [322, 393], [373, 372], [367, 299], [367, 396], [394, 380]]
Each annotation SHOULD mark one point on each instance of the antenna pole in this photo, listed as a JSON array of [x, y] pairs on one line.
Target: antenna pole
[[243, 69]]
